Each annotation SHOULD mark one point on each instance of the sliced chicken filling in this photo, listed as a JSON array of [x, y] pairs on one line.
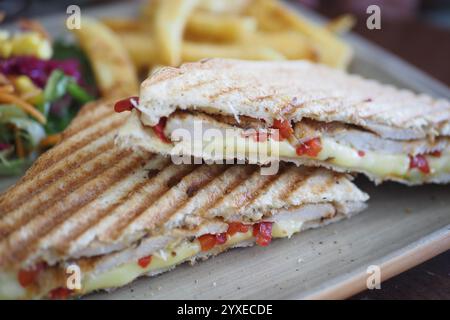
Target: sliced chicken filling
[[157, 254], [342, 146]]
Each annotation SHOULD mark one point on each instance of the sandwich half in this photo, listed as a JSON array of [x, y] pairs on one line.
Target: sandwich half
[[117, 215], [294, 111]]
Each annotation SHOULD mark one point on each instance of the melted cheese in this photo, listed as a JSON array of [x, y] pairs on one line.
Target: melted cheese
[[126, 273], [10, 287], [374, 163], [162, 261], [234, 145]]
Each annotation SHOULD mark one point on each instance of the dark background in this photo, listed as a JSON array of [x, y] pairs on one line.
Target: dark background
[[416, 30]]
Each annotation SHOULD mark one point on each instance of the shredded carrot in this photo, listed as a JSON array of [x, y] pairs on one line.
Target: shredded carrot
[[50, 140], [19, 145], [33, 25], [4, 79], [25, 106], [7, 88]]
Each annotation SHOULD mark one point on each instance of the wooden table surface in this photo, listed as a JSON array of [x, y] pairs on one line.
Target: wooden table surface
[[428, 48]]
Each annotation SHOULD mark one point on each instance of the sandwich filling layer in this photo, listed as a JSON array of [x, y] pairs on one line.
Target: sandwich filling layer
[[50, 282], [334, 145]]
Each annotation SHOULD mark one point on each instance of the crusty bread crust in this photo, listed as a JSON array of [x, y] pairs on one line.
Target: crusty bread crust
[[292, 90]]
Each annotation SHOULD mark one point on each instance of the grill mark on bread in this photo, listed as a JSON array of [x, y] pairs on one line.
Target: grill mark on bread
[[260, 189], [92, 220], [55, 155], [20, 242], [262, 98], [323, 93], [106, 228], [87, 120], [114, 231], [117, 212], [426, 114], [124, 206], [39, 204], [111, 124], [292, 186], [45, 179], [195, 86], [196, 181], [168, 203], [233, 184], [255, 185], [222, 92], [208, 192]]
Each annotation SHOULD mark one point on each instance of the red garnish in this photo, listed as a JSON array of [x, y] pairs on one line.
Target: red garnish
[[207, 241], [419, 162], [235, 227], [361, 153], [284, 127], [263, 233], [28, 277], [256, 135], [144, 261], [59, 293], [260, 136], [310, 148], [126, 104], [221, 238], [159, 129], [436, 153]]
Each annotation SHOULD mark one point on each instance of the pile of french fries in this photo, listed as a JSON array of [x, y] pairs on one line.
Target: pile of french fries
[[170, 32]]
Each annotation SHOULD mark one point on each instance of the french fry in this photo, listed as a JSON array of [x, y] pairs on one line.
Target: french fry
[[268, 18], [126, 25], [224, 6], [341, 24], [141, 48], [273, 16], [113, 68], [193, 51], [173, 31], [170, 19], [148, 10], [203, 25], [291, 44]]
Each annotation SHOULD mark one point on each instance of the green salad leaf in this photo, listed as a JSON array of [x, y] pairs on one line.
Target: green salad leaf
[[8, 111], [14, 166], [56, 86], [78, 93], [34, 131], [65, 50]]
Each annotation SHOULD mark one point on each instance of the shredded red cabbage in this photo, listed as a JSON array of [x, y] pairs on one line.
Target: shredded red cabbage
[[39, 70], [4, 146]]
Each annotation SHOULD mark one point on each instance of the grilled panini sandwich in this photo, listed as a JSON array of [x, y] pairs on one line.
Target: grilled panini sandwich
[[117, 214], [295, 111]]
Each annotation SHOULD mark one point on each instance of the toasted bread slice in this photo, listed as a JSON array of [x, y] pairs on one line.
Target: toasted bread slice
[[352, 124]]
